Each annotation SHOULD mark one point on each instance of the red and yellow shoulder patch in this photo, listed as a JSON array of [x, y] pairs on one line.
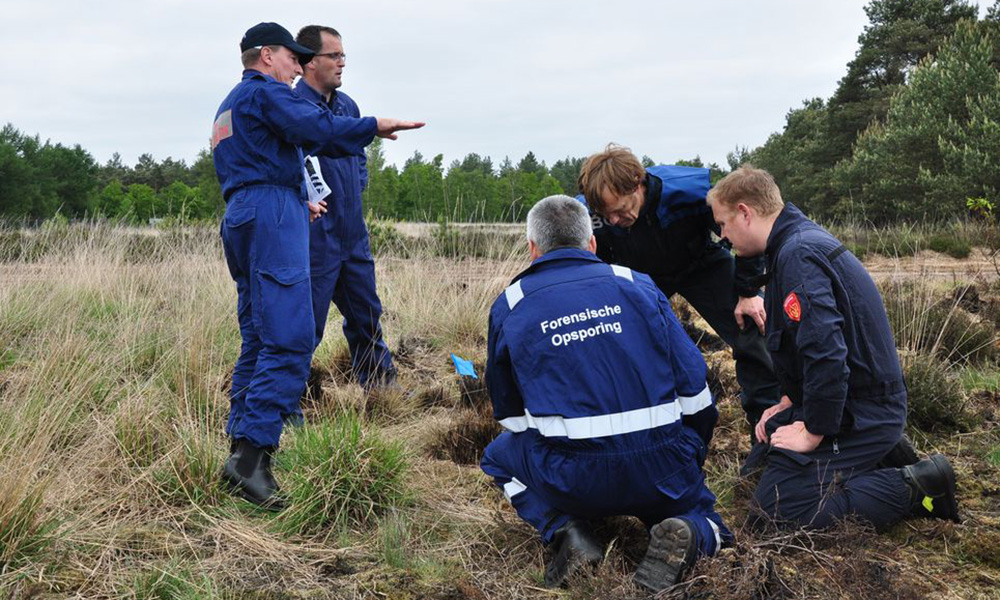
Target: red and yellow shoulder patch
[[792, 307]]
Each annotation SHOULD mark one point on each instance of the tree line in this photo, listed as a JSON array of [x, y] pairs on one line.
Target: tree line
[[39, 180], [911, 133]]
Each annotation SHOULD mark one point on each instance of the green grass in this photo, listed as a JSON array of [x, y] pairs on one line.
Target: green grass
[[339, 474], [980, 378], [993, 457], [172, 580]]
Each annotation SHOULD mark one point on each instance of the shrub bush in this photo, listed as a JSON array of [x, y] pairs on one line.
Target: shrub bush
[[950, 244], [935, 399]]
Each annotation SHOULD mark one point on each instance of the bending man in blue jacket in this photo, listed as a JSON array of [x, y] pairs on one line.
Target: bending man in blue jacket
[[605, 404], [844, 403], [257, 140], [340, 257], [655, 220]]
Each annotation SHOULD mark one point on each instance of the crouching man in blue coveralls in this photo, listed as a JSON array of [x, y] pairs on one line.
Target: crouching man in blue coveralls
[[341, 263], [844, 403], [604, 402], [256, 140]]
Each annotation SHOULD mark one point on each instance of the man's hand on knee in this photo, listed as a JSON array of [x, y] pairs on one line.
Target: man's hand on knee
[[795, 437], [759, 431]]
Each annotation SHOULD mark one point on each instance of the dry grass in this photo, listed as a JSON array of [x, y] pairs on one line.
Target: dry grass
[[115, 350]]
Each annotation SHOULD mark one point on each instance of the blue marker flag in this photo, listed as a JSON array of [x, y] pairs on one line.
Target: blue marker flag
[[464, 367]]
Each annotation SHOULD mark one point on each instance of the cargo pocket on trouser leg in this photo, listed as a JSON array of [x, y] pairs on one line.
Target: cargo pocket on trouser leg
[[285, 316]]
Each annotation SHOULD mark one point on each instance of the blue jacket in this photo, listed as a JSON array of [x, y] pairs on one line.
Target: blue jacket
[[260, 127], [337, 232], [673, 231], [590, 355], [827, 330]]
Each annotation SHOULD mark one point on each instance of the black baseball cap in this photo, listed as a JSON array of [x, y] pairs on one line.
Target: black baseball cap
[[272, 34]]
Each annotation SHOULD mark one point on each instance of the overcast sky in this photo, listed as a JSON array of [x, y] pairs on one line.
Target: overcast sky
[[670, 78]]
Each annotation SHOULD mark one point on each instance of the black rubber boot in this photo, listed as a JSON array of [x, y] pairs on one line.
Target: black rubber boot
[[671, 553], [902, 454], [574, 545], [248, 475], [932, 489]]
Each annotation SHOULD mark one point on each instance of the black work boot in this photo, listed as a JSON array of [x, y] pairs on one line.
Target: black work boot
[[574, 545], [672, 550], [902, 454], [248, 475], [932, 489]]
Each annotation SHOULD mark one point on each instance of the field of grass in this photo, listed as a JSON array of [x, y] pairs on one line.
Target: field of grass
[[115, 351]]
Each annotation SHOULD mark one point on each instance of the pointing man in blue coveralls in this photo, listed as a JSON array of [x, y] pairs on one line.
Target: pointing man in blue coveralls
[[605, 404], [844, 403], [256, 140], [655, 220], [340, 256]]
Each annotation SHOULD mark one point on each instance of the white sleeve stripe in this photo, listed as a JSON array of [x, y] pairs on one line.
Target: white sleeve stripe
[[513, 294], [693, 404], [622, 272], [515, 487], [514, 424]]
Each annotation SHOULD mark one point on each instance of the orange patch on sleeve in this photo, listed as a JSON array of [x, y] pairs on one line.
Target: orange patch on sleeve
[[792, 307]]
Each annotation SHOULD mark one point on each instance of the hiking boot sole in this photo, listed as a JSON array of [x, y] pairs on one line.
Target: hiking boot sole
[[671, 552]]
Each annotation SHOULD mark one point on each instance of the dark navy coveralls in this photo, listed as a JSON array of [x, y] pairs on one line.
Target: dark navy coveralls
[[256, 140], [835, 356], [341, 263], [603, 398], [671, 242]]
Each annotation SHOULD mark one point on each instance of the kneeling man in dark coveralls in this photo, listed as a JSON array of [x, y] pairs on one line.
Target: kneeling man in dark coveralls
[[844, 403], [604, 401]]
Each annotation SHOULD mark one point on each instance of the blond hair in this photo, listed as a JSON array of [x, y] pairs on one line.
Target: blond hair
[[751, 186]]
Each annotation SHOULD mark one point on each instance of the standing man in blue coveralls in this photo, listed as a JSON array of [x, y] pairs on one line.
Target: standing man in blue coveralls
[[341, 263], [656, 221], [844, 402], [604, 402], [257, 137]]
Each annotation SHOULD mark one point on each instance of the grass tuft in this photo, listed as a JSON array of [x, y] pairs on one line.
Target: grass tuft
[[339, 474]]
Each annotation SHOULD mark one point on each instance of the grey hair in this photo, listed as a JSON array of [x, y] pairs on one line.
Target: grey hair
[[559, 222], [252, 55]]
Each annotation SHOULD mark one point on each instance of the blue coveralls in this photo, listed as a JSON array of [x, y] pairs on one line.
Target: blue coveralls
[[256, 140], [671, 242], [835, 356], [341, 263], [603, 399]]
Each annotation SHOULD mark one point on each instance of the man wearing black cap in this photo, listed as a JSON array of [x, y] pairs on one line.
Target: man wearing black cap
[[258, 138]]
